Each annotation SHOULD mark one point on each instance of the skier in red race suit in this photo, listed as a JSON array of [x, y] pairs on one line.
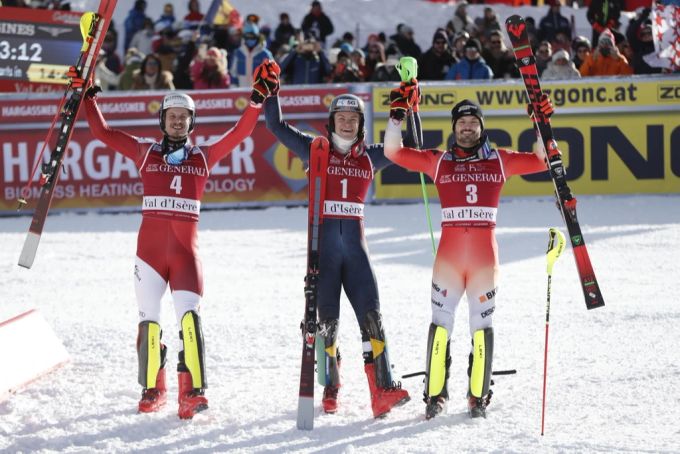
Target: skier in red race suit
[[469, 177], [344, 260], [174, 173]]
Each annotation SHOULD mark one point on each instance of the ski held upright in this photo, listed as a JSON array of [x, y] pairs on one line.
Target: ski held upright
[[93, 27], [318, 163], [526, 62]]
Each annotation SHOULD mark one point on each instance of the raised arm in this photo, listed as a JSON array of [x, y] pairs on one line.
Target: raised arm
[[128, 145], [409, 158], [294, 139], [218, 149], [265, 83]]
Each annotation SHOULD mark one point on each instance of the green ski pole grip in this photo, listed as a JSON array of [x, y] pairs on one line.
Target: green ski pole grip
[[408, 68]]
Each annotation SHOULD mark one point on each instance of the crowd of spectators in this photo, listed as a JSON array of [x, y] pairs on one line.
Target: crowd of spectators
[[186, 53]]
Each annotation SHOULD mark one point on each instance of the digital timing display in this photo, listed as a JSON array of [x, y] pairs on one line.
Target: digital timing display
[[37, 52]]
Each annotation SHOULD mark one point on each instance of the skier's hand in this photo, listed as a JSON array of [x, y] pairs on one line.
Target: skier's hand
[[545, 107], [74, 77], [265, 81], [92, 92], [403, 98]]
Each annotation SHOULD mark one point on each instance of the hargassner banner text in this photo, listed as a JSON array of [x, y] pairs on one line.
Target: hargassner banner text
[[259, 171]]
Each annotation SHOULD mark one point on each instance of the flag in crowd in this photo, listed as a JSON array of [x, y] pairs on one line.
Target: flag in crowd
[[666, 32]]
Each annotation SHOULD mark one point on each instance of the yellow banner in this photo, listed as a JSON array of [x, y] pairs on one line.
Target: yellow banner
[[584, 93], [617, 153]]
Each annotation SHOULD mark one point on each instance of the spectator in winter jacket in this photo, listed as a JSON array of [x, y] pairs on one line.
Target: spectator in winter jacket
[[181, 74], [561, 67], [167, 19], [499, 58], [150, 76], [606, 60], [209, 69], [134, 21], [461, 21], [375, 55], [458, 45], [472, 66], [111, 59], [307, 63], [143, 39], [283, 32], [402, 43], [317, 24], [249, 56], [194, 17], [487, 23], [133, 61], [603, 14], [543, 56], [553, 22], [435, 63], [581, 48], [387, 71]]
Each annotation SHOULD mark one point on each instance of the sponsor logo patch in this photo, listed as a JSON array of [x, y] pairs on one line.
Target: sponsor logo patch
[[488, 295]]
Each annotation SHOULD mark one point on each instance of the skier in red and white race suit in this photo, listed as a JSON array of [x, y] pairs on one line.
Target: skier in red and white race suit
[[343, 253], [174, 173], [469, 177]]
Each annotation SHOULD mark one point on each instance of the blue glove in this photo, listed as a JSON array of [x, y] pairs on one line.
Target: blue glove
[[177, 157]]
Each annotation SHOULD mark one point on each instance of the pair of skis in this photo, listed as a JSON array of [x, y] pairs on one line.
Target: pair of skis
[[517, 31], [93, 27]]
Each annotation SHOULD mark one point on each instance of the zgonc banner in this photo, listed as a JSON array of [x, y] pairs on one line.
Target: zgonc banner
[[617, 135], [259, 170]]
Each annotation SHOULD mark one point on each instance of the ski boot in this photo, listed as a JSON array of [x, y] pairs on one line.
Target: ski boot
[[191, 400], [477, 405], [330, 399], [329, 363], [153, 399], [385, 393], [151, 357], [383, 399]]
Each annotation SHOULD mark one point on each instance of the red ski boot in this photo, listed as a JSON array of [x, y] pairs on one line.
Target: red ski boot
[[330, 399], [384, 399], [153, 399], [191, 400]]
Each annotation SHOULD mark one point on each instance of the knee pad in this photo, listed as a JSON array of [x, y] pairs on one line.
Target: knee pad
[[327, 353], [150, 353], [381, 360], [480, 362], [438, 362], [192, 358]]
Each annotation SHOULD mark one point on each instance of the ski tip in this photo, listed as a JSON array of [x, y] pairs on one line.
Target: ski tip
[[514, 19]]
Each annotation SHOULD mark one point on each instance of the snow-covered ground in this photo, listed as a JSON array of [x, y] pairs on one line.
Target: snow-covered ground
[[614, 372]]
